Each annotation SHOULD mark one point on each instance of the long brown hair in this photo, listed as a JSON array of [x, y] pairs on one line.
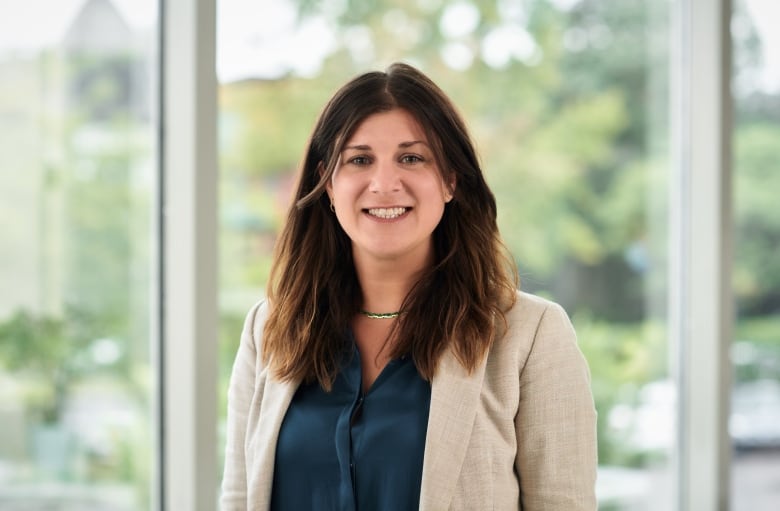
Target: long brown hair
[[314, 292]]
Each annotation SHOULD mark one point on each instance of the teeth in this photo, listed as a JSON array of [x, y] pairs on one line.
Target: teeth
[[387, 212]]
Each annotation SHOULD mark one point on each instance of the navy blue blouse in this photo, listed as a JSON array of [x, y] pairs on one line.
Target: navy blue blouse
[[346, 450]]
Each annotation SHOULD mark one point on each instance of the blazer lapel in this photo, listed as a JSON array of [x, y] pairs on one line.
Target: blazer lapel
[[454, 400], [276, 399]]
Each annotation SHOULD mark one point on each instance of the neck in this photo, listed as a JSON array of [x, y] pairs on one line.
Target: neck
[[385, 284]]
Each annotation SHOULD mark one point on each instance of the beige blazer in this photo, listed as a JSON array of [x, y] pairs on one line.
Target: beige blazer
[[517, 433]]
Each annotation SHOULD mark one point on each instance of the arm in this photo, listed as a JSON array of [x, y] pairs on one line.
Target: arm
[[240, 395], [556, 421]]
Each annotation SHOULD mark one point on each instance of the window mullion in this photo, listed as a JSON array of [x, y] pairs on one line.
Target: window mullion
[[706, 321], [189, 262]]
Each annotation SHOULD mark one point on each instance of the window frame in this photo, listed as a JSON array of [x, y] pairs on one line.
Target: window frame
[[700, 293], [188, 230]]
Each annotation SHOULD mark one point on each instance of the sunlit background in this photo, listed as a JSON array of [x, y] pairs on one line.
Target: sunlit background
[[569, 103]]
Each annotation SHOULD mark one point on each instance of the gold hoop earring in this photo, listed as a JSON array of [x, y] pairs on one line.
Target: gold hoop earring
[[332, 207]]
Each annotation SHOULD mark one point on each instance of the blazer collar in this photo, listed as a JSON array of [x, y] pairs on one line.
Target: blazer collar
[[454, 400]]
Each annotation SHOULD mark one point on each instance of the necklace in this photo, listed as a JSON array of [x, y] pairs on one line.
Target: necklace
[[380, 315]]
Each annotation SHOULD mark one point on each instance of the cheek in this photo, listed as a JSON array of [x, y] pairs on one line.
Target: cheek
[[345, 191], [337, 186]]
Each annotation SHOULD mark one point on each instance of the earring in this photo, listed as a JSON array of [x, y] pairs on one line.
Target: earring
[[332, 207]]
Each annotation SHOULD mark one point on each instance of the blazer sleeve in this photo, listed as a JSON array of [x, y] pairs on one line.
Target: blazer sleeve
[[241, 393], [556, 421]]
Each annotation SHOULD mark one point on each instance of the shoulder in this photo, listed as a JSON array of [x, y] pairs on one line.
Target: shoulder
[[254, 323], [529, 302], [534, 325], [530, 311], [256, 317]]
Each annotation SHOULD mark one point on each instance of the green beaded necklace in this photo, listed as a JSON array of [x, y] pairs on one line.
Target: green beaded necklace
[[380, 315]]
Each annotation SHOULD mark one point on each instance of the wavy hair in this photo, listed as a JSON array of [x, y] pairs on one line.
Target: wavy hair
[[313, 289]]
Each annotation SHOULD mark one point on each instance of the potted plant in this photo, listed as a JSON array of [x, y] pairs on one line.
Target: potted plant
[[39, 353]]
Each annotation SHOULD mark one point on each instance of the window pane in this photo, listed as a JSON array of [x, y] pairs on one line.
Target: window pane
[[755, 408], [568, 103], [77, 216]]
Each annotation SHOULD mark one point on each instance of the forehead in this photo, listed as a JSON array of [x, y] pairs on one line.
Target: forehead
[[392, 124]]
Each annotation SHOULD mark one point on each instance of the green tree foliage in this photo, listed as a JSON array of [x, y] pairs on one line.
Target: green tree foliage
[[757, 241], [621, 358], [756, 159]]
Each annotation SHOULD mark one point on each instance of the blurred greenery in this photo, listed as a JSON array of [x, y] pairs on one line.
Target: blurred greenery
[[621, 357], [39, 347], [757, 268], [82, 151], [763, 330]]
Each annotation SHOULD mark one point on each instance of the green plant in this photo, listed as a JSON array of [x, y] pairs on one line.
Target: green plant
[[49, 353]]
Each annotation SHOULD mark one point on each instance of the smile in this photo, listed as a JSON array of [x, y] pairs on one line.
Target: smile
[[386, 213]]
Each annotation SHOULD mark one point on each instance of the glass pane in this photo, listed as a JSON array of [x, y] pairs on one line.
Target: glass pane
[[77, 216], [568, 103], [755, 408]]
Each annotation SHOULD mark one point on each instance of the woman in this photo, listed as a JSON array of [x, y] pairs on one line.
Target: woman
[[394, 365]]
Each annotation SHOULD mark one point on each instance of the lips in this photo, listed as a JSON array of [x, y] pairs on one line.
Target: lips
[[387, 213]]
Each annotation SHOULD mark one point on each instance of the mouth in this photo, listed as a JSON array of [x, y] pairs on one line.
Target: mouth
[[386, 213]]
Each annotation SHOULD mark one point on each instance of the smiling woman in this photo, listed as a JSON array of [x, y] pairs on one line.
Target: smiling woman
[[394, 364]]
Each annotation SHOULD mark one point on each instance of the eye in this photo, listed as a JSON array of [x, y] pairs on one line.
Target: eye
[[411, 159], [359, 160]]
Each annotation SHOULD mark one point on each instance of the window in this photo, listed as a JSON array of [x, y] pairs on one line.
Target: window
[[78, 214], [754, 422]]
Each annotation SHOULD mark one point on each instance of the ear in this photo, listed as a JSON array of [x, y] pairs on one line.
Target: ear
[[449, 193], [328, 185]]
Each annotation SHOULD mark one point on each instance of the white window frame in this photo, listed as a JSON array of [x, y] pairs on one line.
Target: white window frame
[[701, 311], [189, 256]]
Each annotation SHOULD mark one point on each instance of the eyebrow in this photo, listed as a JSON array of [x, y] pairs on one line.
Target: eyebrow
[[403, 145]]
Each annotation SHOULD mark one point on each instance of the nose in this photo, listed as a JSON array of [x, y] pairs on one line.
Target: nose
[[385, 178]]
